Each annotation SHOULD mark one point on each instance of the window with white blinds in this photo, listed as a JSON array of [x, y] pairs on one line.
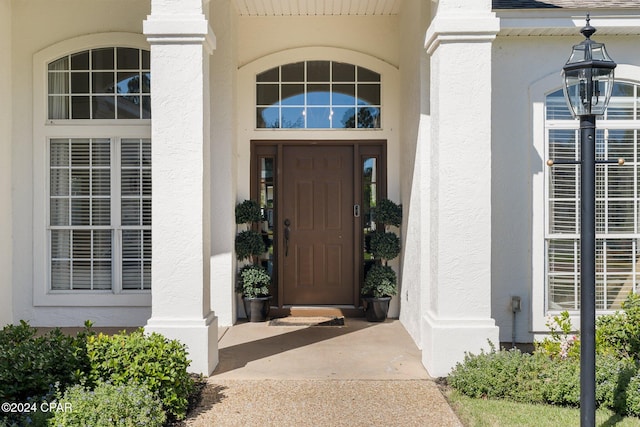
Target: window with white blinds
[[88, 214], [617, 203], [99, 190]]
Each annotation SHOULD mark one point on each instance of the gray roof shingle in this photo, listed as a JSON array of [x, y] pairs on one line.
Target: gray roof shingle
[[566, 4]]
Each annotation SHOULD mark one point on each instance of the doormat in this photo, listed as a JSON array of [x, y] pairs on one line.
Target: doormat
[[307, 321]]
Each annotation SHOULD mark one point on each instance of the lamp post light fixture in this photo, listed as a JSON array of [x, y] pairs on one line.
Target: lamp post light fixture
[[588, 82]]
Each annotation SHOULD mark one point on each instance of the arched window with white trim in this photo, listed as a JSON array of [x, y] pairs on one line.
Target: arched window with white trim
[[96, 163], [318, 95]]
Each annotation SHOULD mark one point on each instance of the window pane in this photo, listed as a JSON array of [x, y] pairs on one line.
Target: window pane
[[59, 182], [271, 75], [318, 117], [343, 72], [266, 174], [318, 94], [293, 72], [268, 117], [293, 94], [59, 211], [101, 152], [59, 83], [80, 61], [128, 83], [344, 94], [59, 152], [101, 212], [60, 275], [80, 107], [369, 94], [79, 83], [268, 94], [365, 75], [556, 106], [104, 107], [621, 144], [318, 71], [60, 244], [102, 59], [128, 107], [58, 107], [146, 60], [128, 59], [344, 117], [293, 117], [368, 117], [103, 82], [130, 212], [146, 107], [61, 64]]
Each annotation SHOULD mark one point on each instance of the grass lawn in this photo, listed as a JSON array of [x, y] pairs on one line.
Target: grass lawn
[[504, 413]]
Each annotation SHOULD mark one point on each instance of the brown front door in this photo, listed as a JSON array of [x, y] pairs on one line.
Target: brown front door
[[318, 222]]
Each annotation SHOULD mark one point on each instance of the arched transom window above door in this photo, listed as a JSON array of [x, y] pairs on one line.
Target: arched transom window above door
[[318, 95]]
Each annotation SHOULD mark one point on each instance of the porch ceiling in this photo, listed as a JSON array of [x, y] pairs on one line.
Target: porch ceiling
[[317, 7]]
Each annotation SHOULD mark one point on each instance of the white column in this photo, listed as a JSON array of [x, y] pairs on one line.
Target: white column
[[458, 317], [6, 222], [181, 42]]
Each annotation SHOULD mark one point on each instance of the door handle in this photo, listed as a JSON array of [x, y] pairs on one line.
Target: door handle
[[287, 231]]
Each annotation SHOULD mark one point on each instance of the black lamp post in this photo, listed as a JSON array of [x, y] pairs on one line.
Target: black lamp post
[[588, 81]]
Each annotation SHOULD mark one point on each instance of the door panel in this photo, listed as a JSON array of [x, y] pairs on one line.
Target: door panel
[[318, 199]]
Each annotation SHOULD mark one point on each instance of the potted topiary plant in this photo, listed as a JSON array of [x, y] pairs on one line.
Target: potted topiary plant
[[381, 282], [253, 280]]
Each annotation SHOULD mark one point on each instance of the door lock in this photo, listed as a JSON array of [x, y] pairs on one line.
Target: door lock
[[356, 210]]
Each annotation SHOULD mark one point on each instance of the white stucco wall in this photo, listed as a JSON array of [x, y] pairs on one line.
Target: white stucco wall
[[223, 20], [414, 132], [518, 168], [6, 214], [36, 25], [371, 42]]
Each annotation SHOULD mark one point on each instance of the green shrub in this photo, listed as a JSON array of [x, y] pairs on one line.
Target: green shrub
[[31, 365], [125, 405], [633, 396], [498, 374], [384, 245], [153, 360], [619, 333], [381, 281], [612, 380], [249, 243], [560, 383], [388, 213], [247, 212], [253, 281]]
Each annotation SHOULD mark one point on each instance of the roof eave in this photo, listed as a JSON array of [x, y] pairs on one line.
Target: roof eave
[[567, 22]]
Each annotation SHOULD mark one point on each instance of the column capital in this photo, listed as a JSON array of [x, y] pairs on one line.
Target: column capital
[[461, 27], [179, 29]]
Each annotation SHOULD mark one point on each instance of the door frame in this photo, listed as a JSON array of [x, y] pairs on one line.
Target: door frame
[[362, 149]]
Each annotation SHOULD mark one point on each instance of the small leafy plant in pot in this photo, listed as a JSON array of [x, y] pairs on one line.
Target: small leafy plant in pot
[[253, 280], [381, 281]]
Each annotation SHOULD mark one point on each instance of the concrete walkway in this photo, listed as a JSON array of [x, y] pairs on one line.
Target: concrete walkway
[[359, 374]]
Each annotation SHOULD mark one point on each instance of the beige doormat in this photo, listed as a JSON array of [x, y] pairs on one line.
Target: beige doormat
[[307, 321]]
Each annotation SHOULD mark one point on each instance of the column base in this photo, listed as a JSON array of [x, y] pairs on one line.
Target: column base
[[199, 335], [445, 341]]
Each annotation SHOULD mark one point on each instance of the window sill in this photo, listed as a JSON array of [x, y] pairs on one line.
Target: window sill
[[92, 299]]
